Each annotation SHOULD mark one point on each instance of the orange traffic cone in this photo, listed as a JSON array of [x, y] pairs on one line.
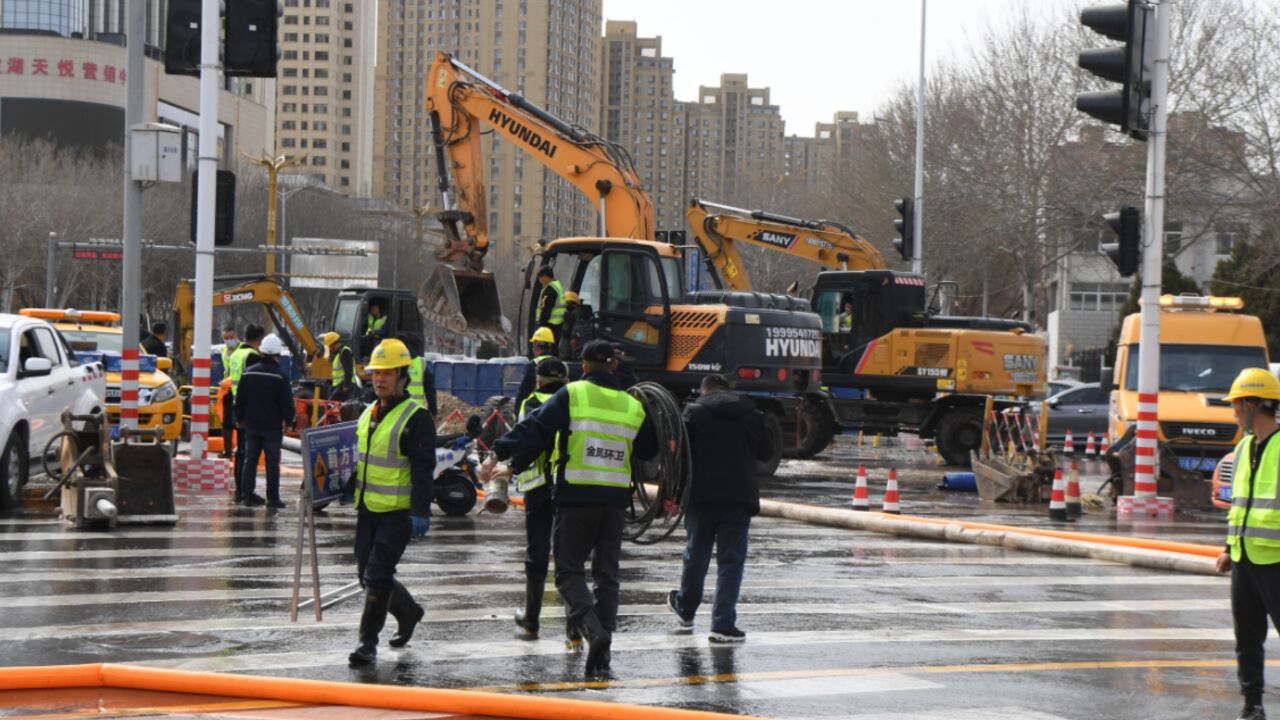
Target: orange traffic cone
[[1090, 450], [891, 503], [1074, 507], [1069, 446], [1105, 446], [1058, 501], [861, 500]]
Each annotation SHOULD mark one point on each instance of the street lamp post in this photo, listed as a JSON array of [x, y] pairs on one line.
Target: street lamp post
[[273, 167]]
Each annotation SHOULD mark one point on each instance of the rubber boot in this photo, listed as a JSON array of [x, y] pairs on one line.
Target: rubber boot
[[407, 614], [371, 622], [572, 636], [528, 618], [598, 642]]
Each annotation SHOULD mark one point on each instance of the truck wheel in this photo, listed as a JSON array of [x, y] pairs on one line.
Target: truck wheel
[[959, 431], [773, 426], [13, 472], [494, 430], [817, 428]]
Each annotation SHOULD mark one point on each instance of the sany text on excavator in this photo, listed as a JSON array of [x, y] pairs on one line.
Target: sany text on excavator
[[632, 289], [920, 372]]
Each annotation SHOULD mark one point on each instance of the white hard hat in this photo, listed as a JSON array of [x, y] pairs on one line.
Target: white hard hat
[[271, 345]]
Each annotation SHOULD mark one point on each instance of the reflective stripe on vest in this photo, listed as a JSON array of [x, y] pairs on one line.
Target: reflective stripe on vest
[[383, 475], [339, 373], [603, 422], [239, 359], [557, 311], [540, 471], [417, 370], [1255, 509]]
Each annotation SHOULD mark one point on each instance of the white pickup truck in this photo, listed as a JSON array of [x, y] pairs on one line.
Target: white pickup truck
[[39, 378]]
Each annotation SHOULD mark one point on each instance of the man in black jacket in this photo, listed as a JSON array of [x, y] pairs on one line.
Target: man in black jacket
[[724, 496], [598, 431], [264, 408]]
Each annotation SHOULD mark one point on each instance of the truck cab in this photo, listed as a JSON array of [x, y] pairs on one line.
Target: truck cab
[[352, 310], [1204, 344]]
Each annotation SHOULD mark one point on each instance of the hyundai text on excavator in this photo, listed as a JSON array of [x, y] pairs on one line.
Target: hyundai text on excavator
[[632, 288], [915, 371]]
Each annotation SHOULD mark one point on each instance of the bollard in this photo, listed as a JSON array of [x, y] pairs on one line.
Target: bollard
[[892, 504], [859, 438], [861, 500], [1058, 500], [1074, 507], [875, 442]]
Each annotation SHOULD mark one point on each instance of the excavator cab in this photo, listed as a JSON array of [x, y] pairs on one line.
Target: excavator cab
[[364, 317], [625, 288], [857, 307]]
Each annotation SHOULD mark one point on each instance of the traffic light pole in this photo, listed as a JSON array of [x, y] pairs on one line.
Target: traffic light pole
[[205, 215], [131, 233], [1144, 502], [917, 253]]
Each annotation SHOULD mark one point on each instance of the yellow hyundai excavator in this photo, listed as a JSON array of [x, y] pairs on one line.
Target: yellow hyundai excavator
[[632, 288], [889, 364]]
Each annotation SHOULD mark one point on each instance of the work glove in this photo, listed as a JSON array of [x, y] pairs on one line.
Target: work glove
[[420, 525]]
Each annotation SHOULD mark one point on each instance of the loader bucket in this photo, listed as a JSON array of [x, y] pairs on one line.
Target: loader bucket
[[462, 300]]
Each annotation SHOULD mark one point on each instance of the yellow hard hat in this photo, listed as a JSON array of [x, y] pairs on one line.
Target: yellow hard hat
[[389, 355], [572, 297], [543, 335], [329, 338], [1254, 383]]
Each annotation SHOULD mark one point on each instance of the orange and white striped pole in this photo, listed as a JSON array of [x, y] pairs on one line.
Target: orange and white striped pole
[[128, 388], [861, 499], [892, 502]]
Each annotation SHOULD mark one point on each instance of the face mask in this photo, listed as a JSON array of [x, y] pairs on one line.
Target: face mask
[[232, 343]]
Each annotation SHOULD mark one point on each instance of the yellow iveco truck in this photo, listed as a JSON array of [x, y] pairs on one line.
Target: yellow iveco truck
[[1204, 344]]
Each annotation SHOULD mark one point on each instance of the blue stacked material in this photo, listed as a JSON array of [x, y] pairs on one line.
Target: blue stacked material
[[512, 374], [465, 387], [442, 373]]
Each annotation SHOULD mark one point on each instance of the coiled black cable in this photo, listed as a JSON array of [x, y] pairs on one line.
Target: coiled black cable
[[666, 478]]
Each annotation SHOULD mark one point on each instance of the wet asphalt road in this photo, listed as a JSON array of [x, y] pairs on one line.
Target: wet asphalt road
[[839, 623]]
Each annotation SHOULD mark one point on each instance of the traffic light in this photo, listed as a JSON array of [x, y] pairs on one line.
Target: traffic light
[[660, 235], [1129, 64], [1127, 225], [251, 34], [224, 224], [182, 38], [906, 227]]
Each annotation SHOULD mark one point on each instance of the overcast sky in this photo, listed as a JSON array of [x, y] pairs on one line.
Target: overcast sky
[[816, 56]]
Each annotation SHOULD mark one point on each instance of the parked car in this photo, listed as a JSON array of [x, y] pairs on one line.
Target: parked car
[[1222, 481], [1060, 385], [40, 377], [1081, 408]]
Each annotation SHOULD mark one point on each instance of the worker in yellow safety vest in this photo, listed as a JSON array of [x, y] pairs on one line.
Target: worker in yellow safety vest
[[543, 345], [1252, 555], [395, 463], [246, 353], [535, 485], [550, 302], [342, 378], [595, 427]]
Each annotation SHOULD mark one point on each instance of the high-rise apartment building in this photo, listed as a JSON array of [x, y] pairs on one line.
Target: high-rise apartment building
[[546, 50], [639, 111], [324, 107]]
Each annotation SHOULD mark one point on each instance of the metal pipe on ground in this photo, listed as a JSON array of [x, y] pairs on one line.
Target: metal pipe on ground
[[1140, 552]]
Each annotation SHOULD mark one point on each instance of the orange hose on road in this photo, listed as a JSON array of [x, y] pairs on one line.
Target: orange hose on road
[[316, 692]]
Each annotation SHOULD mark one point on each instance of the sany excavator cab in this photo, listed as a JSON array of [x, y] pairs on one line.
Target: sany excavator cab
[[354, 308]]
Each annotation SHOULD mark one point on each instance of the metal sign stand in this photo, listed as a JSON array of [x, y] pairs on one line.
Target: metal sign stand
[[307, 520]]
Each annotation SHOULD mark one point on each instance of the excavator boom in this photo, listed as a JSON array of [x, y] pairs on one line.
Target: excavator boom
[[718, 228]]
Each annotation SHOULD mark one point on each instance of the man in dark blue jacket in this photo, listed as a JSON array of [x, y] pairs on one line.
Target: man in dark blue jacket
[[727, 436], [264, 408], [596, 428]]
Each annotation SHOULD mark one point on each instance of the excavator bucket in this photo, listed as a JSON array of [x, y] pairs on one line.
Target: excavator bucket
[[462, 300]]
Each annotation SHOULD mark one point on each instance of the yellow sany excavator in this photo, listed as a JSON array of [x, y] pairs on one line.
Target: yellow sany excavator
[[889, 364]]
